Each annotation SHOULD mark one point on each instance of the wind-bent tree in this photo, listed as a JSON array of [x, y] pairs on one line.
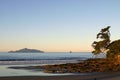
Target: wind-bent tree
[[101, 46], [112, 49]]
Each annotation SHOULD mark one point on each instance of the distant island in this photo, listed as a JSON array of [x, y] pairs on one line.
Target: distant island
[[26, 50]]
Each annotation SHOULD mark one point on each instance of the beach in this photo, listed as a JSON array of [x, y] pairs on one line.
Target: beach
[[79, 71], [101, 76]]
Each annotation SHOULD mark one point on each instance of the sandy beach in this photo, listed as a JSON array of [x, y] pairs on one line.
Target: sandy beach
[[101, 76], [96, 75]]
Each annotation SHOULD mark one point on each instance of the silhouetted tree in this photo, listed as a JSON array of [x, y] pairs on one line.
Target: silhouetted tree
[[101, 46]]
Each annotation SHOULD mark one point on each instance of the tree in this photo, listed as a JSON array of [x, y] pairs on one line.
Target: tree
[[112, 49], [101, 46]]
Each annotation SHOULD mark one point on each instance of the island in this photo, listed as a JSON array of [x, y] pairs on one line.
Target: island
[[26, 50]]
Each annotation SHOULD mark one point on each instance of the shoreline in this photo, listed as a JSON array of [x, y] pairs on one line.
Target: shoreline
[[96, 69], [103, 76], [37, 62]]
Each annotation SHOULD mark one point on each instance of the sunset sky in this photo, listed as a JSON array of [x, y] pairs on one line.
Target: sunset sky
[[56, 25]]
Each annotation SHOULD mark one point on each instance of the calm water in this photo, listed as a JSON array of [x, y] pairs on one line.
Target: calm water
[[44, 56], [27, 59]]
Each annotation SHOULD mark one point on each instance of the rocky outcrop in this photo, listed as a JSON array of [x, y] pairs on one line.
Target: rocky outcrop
[[90, 65]]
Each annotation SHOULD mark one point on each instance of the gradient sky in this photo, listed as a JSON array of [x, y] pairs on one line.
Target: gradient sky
[[56, 25]]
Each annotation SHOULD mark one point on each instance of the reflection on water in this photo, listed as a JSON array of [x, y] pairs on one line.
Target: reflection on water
[[5, 71]]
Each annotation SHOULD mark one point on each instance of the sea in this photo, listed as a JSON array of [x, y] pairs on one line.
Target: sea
[[34, 59]]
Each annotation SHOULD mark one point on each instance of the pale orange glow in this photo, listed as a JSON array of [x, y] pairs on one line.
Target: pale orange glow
[[49, 47], [47, 44]]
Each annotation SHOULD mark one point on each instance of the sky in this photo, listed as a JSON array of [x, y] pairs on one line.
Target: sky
[[56, 25]]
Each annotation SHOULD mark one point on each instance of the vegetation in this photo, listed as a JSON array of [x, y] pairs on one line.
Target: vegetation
[[114, 49], [111, 49]]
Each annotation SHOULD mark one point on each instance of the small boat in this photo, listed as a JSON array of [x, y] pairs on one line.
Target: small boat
[[70, 51]]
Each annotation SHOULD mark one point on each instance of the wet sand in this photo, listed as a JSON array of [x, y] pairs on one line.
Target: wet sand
[[101, 76], [114, 78]]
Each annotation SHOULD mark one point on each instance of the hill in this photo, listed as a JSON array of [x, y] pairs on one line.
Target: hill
[[26, 50]]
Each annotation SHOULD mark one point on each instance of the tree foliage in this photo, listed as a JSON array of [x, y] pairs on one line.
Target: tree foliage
[[114, 49], [104, 45], [101, 45]]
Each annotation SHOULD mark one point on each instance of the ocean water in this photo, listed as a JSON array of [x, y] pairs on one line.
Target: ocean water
[[42, 58], [28, 59]]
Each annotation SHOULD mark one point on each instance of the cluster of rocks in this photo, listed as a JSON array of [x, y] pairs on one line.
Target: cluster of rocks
[[90, 65]]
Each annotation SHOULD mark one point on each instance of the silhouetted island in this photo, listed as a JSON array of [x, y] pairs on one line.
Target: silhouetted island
[[26, 50]]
